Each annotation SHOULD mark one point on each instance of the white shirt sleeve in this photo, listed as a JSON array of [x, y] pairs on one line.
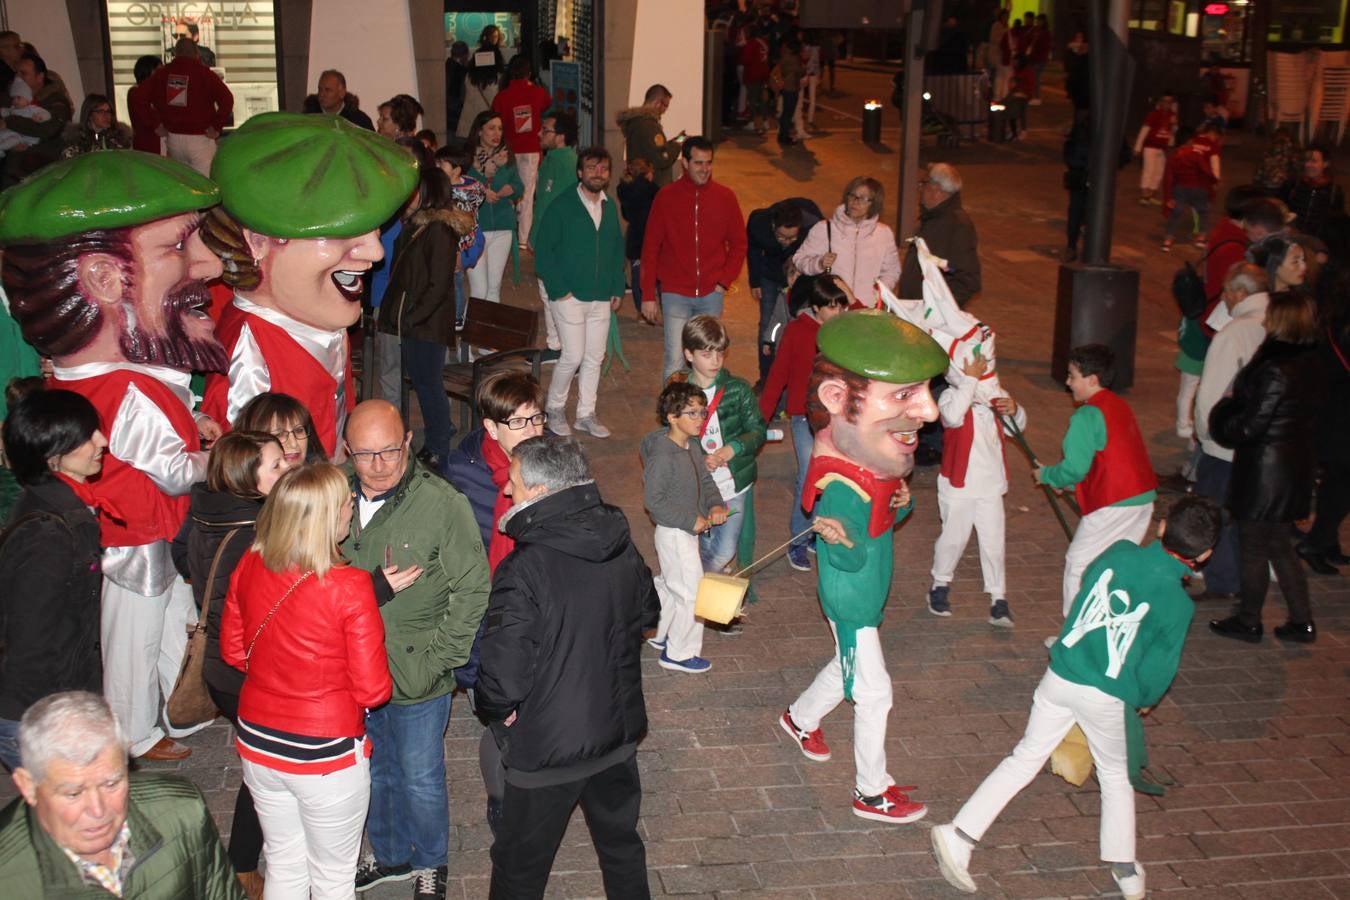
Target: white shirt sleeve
[[144, 438], [248, 375]]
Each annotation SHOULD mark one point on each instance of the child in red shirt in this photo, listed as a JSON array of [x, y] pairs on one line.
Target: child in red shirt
[[1191, 176], [1155, 138], [825, 298]]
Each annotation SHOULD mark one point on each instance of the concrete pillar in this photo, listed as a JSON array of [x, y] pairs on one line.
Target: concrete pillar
[[428, 20], [370, 41], [649, 43]]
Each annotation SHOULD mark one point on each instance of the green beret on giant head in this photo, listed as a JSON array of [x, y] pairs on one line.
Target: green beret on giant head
[[287, 175], [880, 346], [93, 191]]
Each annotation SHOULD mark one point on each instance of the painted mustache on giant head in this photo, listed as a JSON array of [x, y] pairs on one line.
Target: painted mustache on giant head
[[188, 342]]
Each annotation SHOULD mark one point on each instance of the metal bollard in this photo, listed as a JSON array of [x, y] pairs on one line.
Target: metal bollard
[[871, 122]]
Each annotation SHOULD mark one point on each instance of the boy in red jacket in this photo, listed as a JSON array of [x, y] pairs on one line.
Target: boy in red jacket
[[1155, 139], [1105, 462], [1192, 174], [791, 369], [522, 104]]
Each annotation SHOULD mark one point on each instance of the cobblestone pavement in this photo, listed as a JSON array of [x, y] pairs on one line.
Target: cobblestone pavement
[[1255, 737]]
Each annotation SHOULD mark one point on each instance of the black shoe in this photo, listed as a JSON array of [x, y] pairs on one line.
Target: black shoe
[[1215, 597], [1316, 560], [1300, 632], [1233, 627], [429, 884], [371, 873], [1337, 558]]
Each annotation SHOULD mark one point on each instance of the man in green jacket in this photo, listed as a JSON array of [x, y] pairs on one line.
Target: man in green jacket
[[84, 828], [579, 258], [558, 173], [645, 138], [418, 537]]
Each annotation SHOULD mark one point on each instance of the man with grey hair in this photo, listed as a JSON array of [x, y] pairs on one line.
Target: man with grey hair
[[1245, 299], [949, 234], [566, 618], [84, 826], [332, 99]]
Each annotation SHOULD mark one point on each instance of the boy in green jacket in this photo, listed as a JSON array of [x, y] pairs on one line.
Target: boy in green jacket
[[1117, 654]]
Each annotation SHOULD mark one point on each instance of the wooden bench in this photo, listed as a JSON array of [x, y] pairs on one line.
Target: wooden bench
[[509, 332]]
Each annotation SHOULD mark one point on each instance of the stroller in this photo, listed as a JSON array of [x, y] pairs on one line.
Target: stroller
[[931, 120]]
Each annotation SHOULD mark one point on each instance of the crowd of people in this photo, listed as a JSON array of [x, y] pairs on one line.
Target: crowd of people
[[345, 585]]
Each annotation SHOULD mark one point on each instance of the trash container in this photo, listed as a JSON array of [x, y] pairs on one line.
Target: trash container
[[871, 122]]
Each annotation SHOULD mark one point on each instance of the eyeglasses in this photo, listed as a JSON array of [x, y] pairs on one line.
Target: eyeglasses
[[516, 423], [697, 415], [366, 457], [860, 198], [298, 433], [104, 109]]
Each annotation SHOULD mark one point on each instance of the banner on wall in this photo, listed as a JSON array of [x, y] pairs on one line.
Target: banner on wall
[[566, 86]]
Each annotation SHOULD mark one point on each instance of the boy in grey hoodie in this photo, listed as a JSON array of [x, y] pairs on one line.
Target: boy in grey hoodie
[[683, 501]]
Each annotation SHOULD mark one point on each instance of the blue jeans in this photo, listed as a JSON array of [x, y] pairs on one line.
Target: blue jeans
[[1222, 575], [461, 295], [717, 546], [9, 743], [635, 276], [785, 117], [423, 361], [802, 442], [409, 821], [1187, 199], [768, 299], [676, 309]]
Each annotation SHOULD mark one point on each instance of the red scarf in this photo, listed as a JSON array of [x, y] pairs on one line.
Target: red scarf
[[878, 489], [499, 464], [101, 505]]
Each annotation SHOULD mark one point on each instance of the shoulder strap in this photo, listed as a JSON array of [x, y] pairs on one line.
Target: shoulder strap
[[1217, 246], [211, 576], [829, 237], [248, 653]]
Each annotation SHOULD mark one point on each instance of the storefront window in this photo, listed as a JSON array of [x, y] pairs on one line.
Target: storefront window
[[1307, 21], [1223, 31], [1179, 17], [237, 39], [467, 26]]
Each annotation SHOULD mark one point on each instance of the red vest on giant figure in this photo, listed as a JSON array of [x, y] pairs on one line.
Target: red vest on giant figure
[[151, 515], [1121, 469], [290, 369]]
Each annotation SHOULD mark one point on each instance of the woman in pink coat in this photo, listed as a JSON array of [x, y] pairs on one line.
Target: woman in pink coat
[[853, 243]]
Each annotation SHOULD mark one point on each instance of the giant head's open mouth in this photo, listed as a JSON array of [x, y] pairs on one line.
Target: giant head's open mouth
[[348, 282]]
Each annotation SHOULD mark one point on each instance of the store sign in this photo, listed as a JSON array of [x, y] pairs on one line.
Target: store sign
[[222, 14], [1216, 9]]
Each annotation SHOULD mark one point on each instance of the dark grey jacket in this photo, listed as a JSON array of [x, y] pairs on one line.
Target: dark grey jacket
[[677, 487]]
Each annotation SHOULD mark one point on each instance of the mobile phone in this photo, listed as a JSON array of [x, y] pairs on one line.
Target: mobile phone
[[388, 555]]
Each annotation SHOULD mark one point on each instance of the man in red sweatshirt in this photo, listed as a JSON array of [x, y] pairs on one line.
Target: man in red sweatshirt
[[694, 246], [193, 105], [521, 104]]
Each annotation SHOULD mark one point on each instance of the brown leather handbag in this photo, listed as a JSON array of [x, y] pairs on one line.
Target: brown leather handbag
[[190, 703]]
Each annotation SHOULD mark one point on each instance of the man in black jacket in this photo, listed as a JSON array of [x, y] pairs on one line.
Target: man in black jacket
[[773, 235], [561, 681]]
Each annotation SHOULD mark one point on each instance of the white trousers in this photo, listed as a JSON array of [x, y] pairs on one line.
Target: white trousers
[[871, 707], [1002, 75], [485, 278], [1151, 175], [960, 513], [195, 150], [1055, 707], [583, 330], [143, 643], [527, 164], [1096, 531], [1187, 386], [677, 586], [311, 828], [550, 323]]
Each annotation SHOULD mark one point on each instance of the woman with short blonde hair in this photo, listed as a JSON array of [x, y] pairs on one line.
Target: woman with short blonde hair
[[306, 629]]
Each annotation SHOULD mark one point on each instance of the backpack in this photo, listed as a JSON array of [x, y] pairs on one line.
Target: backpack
[[1188, 286]]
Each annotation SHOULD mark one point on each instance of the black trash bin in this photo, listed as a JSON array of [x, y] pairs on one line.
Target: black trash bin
[[871, 122]]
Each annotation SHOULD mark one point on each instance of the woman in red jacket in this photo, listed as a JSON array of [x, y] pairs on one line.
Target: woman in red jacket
[[305, 629]]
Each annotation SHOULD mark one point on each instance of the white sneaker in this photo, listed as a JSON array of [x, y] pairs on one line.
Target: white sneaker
[[592, 426], [1131, 886], [557, 422], [953, 858]]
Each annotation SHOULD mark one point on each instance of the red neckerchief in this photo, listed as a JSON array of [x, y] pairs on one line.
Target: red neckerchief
[[879, 490], [712, 410], [85, 493]]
